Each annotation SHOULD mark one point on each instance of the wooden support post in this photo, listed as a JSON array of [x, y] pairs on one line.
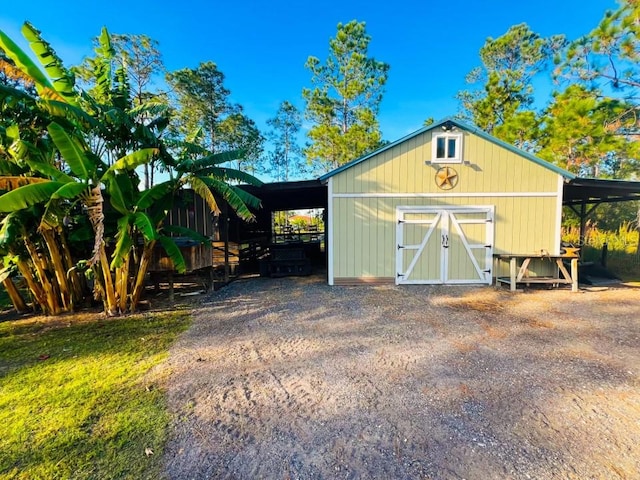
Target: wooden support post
[[603, 256], [583, 221], [226, 242], [212, 280], [574, 274], [512, 274]]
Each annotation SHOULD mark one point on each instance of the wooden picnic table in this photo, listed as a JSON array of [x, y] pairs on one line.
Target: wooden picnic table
[[521, 274]]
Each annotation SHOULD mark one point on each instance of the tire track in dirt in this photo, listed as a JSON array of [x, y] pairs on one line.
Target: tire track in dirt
[[300, 380]]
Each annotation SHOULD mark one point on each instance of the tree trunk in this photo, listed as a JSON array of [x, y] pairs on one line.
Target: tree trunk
[[78, 282], [145, 260], [94, 203], [147, 183], [56, 262], [18, 302], [110, 303], [122, 284], [36, 290], [40, 267]]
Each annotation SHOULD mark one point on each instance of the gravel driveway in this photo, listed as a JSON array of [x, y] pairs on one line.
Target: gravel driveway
[[290, 378]]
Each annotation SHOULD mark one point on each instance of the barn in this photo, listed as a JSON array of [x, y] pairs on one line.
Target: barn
[[442, 205]]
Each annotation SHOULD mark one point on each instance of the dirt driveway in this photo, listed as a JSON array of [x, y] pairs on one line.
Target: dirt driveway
[[290, 378]]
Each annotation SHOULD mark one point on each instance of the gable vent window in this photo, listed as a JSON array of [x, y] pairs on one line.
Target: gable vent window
[[447, 148]]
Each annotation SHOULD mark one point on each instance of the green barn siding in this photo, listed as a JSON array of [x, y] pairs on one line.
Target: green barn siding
[[365, 229], [364, 236], [487, 167]]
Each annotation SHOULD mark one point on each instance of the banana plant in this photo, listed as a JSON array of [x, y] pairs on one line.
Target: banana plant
[[148, 211], [82, 155], [87, 174], [81, 176]]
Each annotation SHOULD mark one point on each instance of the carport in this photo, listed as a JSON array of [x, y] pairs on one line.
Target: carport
[[583, 195], [258, 240], [275, 197]]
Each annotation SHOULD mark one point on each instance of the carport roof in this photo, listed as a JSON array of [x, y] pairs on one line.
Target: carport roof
[[300, 195], [589, 191]]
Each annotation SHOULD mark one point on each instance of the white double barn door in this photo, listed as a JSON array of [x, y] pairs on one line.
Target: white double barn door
[[444, 245]]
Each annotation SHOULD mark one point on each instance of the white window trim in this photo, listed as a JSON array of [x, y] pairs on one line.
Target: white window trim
[[446, 135]]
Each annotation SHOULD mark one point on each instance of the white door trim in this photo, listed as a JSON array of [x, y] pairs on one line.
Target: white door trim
[[420, 248], [446, 218]]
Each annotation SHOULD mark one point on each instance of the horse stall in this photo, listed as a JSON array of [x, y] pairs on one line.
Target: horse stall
[[240, 247], [204, 264]]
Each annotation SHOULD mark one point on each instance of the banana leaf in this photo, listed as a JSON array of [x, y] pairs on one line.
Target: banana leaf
[[226, 174], [72, 151], [174, 253], [121, 191], [124, 241], [63, 80], [23, 152], [203, 189], [5, 273], [150, 109], [9, 168], [235, 197], [70, 190], [186, 147], [135, 159], [149, 196], [7, 92], [250, 200], [13, 182], [9, 229], [68, 112], [186, 166], [50, 171], [144, 224], [24, 62], [28, 195]]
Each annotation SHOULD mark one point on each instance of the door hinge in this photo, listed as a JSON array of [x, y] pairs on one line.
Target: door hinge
[[489, 220], [400, 247], [400, 275], [488, 246], [487, 271], [400, 221]]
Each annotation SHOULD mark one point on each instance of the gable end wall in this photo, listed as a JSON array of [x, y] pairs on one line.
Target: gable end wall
[[364, 198]]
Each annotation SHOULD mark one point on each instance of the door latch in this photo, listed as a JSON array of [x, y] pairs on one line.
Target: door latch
[[445, 241]]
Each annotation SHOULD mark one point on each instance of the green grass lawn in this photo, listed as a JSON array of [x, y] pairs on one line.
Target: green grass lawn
[[77, 399]]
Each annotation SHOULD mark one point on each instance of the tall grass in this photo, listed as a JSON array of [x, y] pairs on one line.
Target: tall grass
[[623, 258]]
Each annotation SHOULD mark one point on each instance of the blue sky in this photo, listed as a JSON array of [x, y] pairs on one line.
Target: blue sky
[[262, 46]]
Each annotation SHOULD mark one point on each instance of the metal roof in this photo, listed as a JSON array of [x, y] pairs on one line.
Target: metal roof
[[595, 190], [303, 194]]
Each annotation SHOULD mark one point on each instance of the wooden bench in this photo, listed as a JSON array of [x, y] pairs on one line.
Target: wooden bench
[[521, 275]]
